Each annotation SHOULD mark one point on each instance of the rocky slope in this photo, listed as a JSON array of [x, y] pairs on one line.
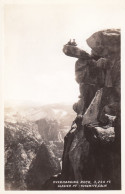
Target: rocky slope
[[43, 166], [24, 149], [21, 146], [92, 147]]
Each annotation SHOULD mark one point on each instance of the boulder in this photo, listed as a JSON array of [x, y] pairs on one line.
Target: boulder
[[105, 43], [90, 72], [79, 107], [85, 71], [76, 52], [87, 91]]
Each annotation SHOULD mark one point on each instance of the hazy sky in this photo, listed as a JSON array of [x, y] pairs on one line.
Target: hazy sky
[[35, 67]]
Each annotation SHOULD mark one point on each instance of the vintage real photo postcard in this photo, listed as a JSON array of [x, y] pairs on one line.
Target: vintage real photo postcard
[[61, 96]]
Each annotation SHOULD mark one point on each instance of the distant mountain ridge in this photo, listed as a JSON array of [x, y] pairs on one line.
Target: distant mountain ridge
[[34, 113]]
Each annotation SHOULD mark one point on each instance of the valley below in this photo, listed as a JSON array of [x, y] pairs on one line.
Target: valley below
[[34, 140]]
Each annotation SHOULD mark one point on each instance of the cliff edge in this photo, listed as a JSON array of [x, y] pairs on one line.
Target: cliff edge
[[92, 147]]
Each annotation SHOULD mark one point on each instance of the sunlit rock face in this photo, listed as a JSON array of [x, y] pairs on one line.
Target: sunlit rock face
[[92, 146]]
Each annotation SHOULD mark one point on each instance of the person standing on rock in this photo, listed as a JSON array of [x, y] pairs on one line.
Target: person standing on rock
[[74, 43], [70, 43]]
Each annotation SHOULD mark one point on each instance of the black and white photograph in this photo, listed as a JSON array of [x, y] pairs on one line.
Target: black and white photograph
[[61, 95]]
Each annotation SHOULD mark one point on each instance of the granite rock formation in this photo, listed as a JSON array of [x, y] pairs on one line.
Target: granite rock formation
[[73, 51], [92, 146]]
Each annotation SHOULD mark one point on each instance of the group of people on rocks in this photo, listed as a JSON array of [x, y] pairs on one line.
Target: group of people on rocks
[[71, 43]]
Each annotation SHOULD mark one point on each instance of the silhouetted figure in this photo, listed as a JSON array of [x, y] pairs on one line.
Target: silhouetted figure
[[71, 43], [74, 43]]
